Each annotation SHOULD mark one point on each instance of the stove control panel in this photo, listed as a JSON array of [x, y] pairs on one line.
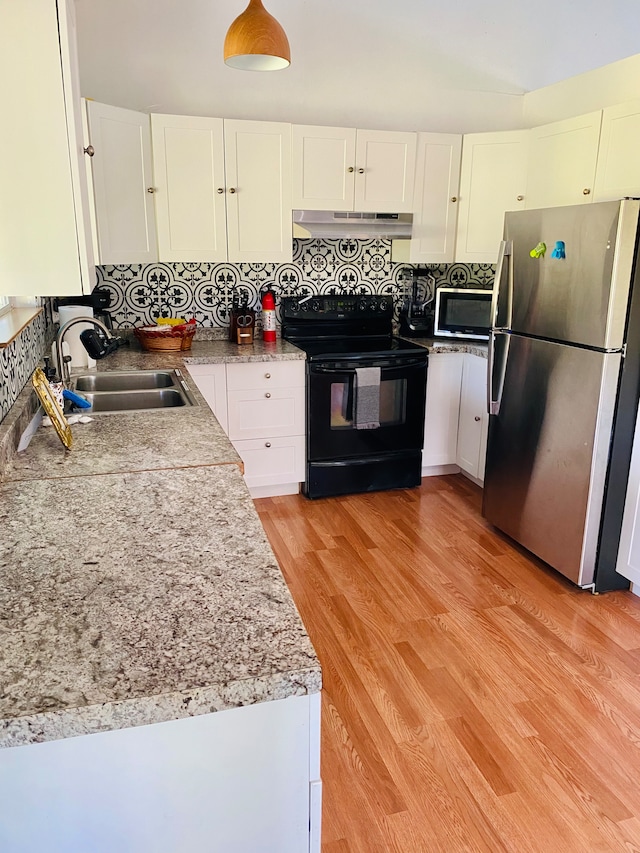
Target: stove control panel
[[362, 306]]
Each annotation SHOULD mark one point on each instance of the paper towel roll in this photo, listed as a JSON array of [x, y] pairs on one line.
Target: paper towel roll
[[79, 355]]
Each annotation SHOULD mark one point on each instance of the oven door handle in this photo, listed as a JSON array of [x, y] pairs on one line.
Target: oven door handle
[[350, 367]]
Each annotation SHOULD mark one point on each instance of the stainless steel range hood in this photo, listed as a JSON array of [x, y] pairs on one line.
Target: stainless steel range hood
[[328, 223]]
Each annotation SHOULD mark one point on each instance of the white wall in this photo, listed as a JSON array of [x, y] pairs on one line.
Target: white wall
[[594, 90]]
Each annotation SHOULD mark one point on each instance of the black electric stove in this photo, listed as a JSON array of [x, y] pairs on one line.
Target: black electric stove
[[349, 344]]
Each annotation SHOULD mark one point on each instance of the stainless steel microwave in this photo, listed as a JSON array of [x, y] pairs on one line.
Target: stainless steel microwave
[[462, 313]]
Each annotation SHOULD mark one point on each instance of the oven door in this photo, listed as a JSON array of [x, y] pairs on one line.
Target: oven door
[[331, 401]]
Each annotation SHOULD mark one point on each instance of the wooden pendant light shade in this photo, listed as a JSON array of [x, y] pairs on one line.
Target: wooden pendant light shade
[[256, 41]]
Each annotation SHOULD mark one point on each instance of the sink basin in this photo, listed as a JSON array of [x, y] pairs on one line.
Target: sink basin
[[135, 401], [134, 391], [136, 380]]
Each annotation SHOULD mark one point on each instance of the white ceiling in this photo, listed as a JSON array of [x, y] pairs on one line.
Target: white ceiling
[[460, 65]]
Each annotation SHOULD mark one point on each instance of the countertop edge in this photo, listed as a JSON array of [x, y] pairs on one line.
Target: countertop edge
[[149, 710]]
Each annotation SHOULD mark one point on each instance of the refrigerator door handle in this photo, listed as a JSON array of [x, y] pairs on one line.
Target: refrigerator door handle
[[494, 400], [503, 252]]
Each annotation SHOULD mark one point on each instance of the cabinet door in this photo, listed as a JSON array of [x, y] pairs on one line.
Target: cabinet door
[[323, 167], [435, 198], [44, 248], [211, 381], [265, 414], [122, 183], [265, 375], [258, 171], [472, 426], [493, 180], [444, 379], [385, 170], [272, 461], [618, 169], [562, 161], [188, 170]]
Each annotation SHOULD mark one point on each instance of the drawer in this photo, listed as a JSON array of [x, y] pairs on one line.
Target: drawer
[[265, 374], [268, 462], [264, 414]]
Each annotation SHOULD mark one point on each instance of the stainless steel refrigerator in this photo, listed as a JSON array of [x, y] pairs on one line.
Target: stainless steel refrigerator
[[564, 378]]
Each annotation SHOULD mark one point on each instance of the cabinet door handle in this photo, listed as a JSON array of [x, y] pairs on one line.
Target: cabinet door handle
[[267, 376], [350, 169], [519, 198], [220, 190], [151, 190], [267, 444], [90, 150], [454, 199], [361, 171], [586, 191], [477, 418], [232, 189], [267, 395]]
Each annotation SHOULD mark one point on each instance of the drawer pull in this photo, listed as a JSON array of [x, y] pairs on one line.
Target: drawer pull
[[267, 444], [267, 394], [477, 418], [267, 376]]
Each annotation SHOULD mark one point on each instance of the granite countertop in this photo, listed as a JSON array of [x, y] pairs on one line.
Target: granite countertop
[[440, 345], [138, 584], [124, 442], [140, 598]]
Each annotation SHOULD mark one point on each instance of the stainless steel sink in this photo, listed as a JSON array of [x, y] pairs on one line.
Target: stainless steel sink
[[134, 391], [134, 401], [135, 380]]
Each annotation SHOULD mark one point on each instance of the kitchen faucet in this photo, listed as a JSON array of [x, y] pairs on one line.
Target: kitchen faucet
[[112, 344]]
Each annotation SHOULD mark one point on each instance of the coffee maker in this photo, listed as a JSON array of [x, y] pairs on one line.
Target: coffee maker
[[417, 312]]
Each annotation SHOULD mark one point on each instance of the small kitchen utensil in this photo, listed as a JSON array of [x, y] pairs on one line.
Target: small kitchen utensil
[[51, 407]]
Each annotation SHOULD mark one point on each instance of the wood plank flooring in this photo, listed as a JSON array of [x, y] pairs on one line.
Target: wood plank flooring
[[473, 699]]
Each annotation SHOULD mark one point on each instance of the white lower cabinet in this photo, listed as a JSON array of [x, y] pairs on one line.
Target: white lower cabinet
[[272, 463], [211, 380], [455, 428], [245, 780], [261, 407], [473, 421], [442, 410], [266, 410]]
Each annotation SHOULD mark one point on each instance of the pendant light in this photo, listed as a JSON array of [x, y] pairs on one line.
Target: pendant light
[[256, 41]]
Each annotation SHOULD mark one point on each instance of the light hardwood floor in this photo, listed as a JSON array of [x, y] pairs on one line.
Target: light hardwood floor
[[473, 699]]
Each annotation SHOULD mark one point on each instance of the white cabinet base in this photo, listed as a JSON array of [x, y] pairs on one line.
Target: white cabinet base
[[439, 470], [236, 781]]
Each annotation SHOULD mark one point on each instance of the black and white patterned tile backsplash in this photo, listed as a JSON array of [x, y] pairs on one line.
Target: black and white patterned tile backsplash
[[142, 293], [19, 359]]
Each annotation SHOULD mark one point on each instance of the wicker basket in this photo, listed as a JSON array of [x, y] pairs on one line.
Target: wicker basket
[[166, 338]]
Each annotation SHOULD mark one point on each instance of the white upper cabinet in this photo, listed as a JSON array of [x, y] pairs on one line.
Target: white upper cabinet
[[493, 180], [323, 167], [385, 171], [562, 161], [45, 240], [258, 191], [188, 170], [435, 198], [337, 168], [618, 169], [123, 184]]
